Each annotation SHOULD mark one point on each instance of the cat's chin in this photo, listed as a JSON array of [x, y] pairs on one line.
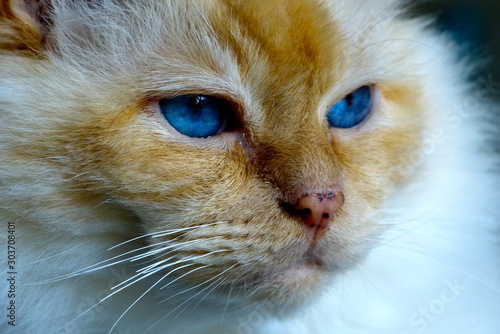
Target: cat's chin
[[283, 294], [286, 290], [302, 282]]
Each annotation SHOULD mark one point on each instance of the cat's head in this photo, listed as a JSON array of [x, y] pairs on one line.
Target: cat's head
[[253, 140]]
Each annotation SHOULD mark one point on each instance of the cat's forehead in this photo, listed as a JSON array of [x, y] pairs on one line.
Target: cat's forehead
[[272, 53], [295, 43], [174, 45]]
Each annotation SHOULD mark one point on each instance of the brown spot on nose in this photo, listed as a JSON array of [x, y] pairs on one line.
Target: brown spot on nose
[[316, 211]]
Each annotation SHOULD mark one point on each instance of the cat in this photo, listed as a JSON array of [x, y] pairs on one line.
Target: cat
[[242, 166]]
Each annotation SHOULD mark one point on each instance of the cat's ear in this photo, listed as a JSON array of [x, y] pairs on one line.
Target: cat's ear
[[23, 25]]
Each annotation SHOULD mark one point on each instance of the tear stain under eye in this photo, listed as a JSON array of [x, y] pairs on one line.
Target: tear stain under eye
[[243, 143]]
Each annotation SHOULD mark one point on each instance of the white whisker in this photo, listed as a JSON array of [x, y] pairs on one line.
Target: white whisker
[[187, 229], [228, 300], [222, 281], [190, 299], [184, 275], [159, 268], [176, 246], [196, 286], [164, 233], [93, 268], [149, 289]]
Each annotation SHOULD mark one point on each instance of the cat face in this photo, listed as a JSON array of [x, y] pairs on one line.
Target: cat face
[[228, 207]]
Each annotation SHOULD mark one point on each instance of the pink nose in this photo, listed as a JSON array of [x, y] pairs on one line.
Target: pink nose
[[317, 210]]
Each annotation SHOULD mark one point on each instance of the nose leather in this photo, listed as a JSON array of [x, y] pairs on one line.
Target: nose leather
[[316, 211]]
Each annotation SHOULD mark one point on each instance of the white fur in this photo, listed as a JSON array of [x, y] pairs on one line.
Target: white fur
[[444, 224]]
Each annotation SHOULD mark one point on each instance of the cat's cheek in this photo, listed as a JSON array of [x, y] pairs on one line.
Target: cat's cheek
[[384, 144]]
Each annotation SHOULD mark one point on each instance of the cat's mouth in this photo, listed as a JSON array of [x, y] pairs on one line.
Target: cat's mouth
[[268, 259], [299, 281], [282, 292]]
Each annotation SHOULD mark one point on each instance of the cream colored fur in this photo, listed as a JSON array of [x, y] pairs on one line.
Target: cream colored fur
[[87, 163]]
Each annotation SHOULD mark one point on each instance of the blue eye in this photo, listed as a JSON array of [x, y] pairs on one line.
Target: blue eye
[[198, 116], [352, 110]]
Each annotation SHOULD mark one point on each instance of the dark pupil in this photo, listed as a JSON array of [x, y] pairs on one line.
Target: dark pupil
[[348, 99]]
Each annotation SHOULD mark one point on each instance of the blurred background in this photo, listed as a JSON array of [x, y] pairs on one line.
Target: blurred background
[[475, 25]]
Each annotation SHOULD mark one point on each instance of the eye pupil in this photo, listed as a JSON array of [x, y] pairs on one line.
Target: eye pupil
[[348, 99], [197, 116], [352, 110]]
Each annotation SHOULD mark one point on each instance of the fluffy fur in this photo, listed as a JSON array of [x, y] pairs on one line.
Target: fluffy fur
[[105, 193]]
